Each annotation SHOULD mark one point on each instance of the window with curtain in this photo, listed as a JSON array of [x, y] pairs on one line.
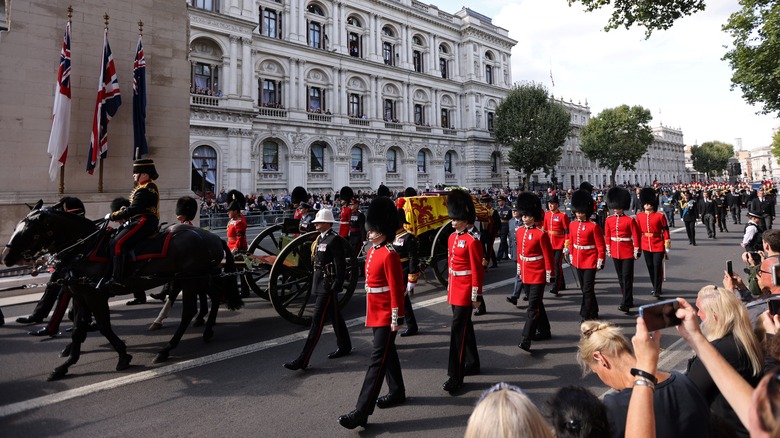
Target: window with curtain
[[448, 162], [357, 159], [316, 100], [270, 156], [389, 110], [203, 157], [488, 74], [269, 96], [354, 44], [391, 161], [317, 158], [419, 117], [445, 118], [354, 105], [205, 77], [387, 53], [421, 165], [268, 27]]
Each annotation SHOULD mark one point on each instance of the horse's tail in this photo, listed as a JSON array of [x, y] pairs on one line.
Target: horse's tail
[[230, 287]]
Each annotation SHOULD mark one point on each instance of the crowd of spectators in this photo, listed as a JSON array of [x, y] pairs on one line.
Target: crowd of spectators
[[204, 91]]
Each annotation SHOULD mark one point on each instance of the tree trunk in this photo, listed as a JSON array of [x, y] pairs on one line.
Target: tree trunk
[[612, 178], [527, 180]]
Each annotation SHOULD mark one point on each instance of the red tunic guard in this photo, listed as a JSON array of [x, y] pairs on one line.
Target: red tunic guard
[[344, 217], [534, 255], [236, 234], [466, 273], [621, 234], [385, 286], [654, 231], [587, 244], [557, 227]]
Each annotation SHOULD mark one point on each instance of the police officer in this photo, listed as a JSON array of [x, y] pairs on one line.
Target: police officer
[[143, 216], [329, 262], [466, 277], [384, 314], [534, 267], [504, 215], [407, 245], [751, 240], [621, 235]]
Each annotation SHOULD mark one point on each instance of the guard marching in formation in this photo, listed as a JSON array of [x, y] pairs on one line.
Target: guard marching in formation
[[556, 224], [587, 251], [621, 235], [655, 238]]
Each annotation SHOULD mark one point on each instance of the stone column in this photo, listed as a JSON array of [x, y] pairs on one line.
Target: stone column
[[233, 84], [246, 67]]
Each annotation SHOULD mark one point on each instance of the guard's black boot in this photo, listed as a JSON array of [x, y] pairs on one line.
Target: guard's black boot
[[115, 283]]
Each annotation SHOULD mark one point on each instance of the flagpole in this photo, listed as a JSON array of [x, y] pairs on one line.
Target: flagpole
[[140, 35], [100, 172]]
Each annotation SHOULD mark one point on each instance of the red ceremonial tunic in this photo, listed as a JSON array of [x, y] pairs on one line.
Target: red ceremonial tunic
[[344, 218], [557, 226], [621, 234], [236, 233], [534, 255], [587, 244], [385, 286], [653, 230], [466, 273]]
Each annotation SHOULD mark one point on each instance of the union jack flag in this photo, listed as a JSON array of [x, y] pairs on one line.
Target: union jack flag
[[140, 147], [60, 115], [106, 105]]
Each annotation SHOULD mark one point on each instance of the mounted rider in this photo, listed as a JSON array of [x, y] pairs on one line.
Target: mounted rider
[[143, 218]]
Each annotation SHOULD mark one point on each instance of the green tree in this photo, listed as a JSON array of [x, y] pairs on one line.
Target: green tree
[[534, 126], [712, 157], [617, 137], [652, 15], [754, 55], [776, 146]]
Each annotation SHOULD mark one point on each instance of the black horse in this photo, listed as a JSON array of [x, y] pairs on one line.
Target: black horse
[[191, 259]]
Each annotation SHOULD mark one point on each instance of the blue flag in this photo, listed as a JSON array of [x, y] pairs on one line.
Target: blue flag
[[140, 147]]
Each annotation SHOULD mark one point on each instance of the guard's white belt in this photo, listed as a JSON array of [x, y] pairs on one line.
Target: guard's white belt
[[376, 290], [531, 259], [621, 239], [585, 246], [460, 273]]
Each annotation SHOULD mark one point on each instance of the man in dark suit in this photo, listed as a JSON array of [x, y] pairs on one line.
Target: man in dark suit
[[708, 212], [762, 206], [735, 205]]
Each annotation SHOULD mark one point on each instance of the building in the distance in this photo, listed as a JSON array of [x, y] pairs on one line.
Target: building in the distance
[[326, 94]]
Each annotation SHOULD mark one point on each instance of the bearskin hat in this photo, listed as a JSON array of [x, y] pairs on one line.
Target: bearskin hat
[[460, 206], [346, 194], [71, 204], [410, 191], [618, 197], [587, 187], [118, 203], [529, 204], [648, 196], [582, 202], [298, 195], [383, 191], [236, 200], [187, 206], [382, 217]]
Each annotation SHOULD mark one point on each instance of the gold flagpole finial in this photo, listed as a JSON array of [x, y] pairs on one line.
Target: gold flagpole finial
[[140, 27], [70, 12], [105, 18]]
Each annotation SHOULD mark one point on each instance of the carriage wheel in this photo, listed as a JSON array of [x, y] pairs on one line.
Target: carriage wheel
[[290, 279], [439, 253], [267, 243]]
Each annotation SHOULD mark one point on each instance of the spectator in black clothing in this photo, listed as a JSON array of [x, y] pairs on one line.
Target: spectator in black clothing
[[576, 413], [763, 206]]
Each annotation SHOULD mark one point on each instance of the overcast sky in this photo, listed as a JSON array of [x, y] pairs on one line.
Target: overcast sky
[[677, 74]]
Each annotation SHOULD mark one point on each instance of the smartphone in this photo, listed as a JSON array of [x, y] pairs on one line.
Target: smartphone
[[730, 268], [660, 315], [774, 306]]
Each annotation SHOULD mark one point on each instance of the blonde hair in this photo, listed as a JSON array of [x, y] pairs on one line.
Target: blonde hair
[[600, 336], [506, 413], [726, 314]]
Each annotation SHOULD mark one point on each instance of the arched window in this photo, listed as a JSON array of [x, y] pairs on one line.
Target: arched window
[[354, 21], [357, 159], [270, 156], [421, 164], [489, 56], [443, 48], [448, 162], [204, 169], [391, 161], [386, 31], [315, 9], [317, 158]]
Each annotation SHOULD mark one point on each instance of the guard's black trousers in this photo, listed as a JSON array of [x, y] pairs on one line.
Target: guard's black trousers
[[655, 267], [384, 363], [589, 309], [326, 306], [537, 315], [625, 275], [463, 343]]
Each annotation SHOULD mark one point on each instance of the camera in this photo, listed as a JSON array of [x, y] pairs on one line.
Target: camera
[[774, 306], [776, 274]]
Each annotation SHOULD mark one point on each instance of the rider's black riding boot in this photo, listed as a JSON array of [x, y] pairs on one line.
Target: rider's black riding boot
[[115, 283]]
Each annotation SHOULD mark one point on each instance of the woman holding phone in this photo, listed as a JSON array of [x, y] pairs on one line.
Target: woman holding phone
[[725, 323]]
